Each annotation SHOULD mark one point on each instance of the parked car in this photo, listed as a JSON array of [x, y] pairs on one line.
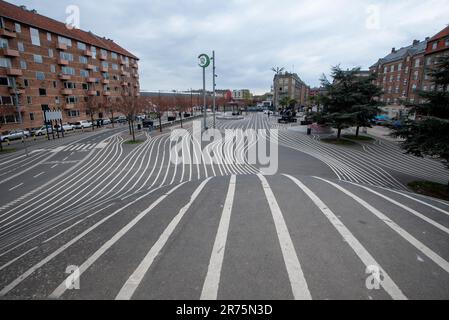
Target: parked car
[[121, 119], [43, 131], [15, 135], [65, 127], [84, 124], [104, 122]]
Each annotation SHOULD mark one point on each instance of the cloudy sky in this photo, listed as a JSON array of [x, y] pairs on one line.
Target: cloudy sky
[[252, 36]]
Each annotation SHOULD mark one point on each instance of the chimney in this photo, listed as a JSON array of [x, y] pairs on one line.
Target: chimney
[[33, 11], [427, 38], [23, 7], [415, 42], [393, 50]]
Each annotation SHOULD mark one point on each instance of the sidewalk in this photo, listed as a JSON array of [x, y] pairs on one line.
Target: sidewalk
[[383, 133]]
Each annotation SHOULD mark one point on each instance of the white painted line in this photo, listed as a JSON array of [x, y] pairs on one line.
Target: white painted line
[[50, 257], [412, 211], [54, 166], [59, 291], [297, 280], [131, 285], [17, 258], [212, 281], [38, 175], [18, 186], [65, 159], [388, 284], [404, 234], [422, 202]]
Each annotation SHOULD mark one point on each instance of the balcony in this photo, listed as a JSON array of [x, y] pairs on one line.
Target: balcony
[[122, 62], [135, 66], [92, 93], [63, 62], [105, 81], [87, 53], [136, 75], [13, 91], [65, 77], [61, 46], [124, 84], [106, 93], [66, 92], [104, 69], [69, 106], [90, 67], [9, 53], [91, 80], [14, 72], [7, 34], [103, 57]]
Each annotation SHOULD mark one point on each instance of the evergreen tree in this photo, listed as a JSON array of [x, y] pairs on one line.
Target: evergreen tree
[[429, 136], [350, 100]]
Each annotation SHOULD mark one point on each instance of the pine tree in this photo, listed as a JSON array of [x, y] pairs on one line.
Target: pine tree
[[350, 100], [429, 136]]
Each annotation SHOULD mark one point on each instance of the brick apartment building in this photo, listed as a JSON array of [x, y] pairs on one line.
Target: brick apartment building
[[403, 73], [290, 85], [50, 66]]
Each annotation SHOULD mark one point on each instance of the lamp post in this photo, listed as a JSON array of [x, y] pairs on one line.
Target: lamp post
[[277, 72], [214, 76], [204, 62]]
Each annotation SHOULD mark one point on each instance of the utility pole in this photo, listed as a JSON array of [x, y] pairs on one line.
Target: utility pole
[[204, 62], [214, 87]]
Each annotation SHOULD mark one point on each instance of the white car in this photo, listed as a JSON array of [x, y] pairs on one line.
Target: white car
[[43, 131], [65, 127], [82, 124], [15, 135]]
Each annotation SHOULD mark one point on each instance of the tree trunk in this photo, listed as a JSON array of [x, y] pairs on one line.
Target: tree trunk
[[129, 125], [160, 122], [339, 134], [181, 121], [92, 120], [1, 145], [357, 132], [134, 134], [112, 115]]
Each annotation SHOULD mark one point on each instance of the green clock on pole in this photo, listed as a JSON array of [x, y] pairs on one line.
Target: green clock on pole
[[203, 60]]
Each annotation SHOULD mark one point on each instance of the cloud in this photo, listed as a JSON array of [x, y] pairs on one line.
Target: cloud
[[251, 36]]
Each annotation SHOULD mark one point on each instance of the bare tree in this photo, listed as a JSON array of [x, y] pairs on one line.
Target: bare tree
[[94, 105], [131, 104], [4, 111]]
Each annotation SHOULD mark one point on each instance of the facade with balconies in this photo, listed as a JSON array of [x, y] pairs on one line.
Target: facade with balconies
[[45, 65]]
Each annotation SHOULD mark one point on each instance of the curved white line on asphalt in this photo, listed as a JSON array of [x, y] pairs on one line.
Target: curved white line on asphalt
[[388, 284], [298, 282], [212, 281]]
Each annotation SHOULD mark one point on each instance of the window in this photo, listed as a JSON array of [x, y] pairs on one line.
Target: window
[[71, 100], [20, 46], [435, 45], [114, 66], [103, 52], [62, 40], [416, 75], [18, 27], [84, 73], [40, 75], [48, 36], [81, 46], [114, 55], [42, 92], [73, 113], [446, 42], [400, 67], [53, 68], [55, 84], [26, 83], [105, 75], [29, 100], [23, 65], [38, 58], [85, 86], [50, 53], [83, 59], [4, 43], [417, 63], [31, 116], [5, 63], [6, 100], [66, 56], [391, 78], [35, 37], [94, 52], [68, 70], [429, 61], [57, 100], [69, 85], [4, 81], [392, 68], [2, 24], [104, 64]]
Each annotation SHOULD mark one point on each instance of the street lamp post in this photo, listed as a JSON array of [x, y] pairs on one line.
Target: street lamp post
[[277, 72], [214, 87], [204, 62]]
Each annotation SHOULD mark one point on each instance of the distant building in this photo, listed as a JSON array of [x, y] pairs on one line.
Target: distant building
[[290, 85], [243, 94]]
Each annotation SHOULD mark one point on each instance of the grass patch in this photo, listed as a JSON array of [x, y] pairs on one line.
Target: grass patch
[[359, 138], [7, 150], [341, 142], [431, 189], [131, 142]]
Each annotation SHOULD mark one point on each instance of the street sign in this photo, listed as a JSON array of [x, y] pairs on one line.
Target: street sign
[[204, 60], [53, 115]]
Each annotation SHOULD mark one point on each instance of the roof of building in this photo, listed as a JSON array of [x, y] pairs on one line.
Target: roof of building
[[414, 49], [442, 34], [32, 18]]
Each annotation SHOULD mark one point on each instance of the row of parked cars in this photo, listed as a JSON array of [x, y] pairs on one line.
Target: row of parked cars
[[66, 127]]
